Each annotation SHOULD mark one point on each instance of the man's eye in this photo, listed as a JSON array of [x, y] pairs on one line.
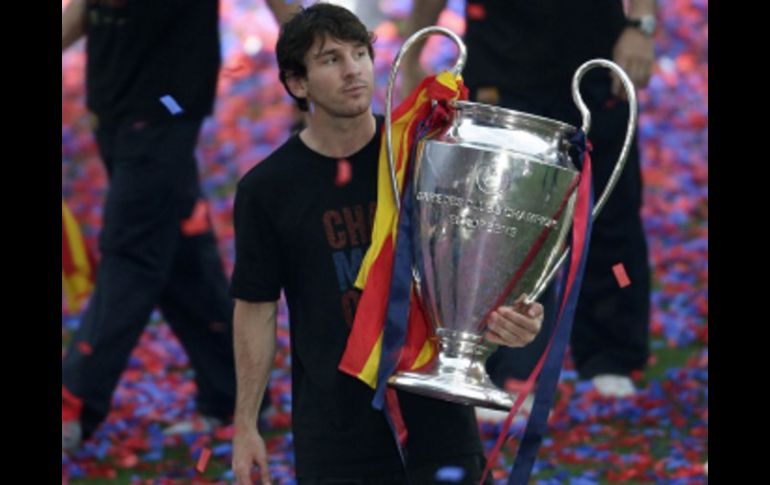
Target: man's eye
[[330, 60]]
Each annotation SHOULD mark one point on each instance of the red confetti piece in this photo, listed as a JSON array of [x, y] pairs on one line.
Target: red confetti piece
[[344, 173], [475, 11], [280, 420], [85, 348], [224, 433], [138, 443], [234, 70], [203, 460], [620, 275], [128, 461], [198, 222]]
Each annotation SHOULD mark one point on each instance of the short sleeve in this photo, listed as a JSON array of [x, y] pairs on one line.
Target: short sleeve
[[257, 273]]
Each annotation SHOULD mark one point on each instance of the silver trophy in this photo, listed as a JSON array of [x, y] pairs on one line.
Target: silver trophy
[[494, 197]]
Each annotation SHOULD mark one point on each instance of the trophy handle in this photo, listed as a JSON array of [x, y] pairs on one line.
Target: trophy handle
[[458, 67], [619, 164]]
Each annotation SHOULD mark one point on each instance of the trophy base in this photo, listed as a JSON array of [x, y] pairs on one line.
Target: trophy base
[[457, 375], [454, 388]]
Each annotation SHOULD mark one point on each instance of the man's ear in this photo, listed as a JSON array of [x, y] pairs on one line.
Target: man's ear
[[298, 86]]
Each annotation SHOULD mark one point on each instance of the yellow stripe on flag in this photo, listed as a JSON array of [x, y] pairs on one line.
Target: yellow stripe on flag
[[77, 271], [386, 217]]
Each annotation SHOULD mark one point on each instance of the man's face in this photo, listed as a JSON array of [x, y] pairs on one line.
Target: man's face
[[340, 77]]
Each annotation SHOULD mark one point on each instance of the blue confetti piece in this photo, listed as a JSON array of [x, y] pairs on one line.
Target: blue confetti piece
[[568, 375], [582, 481], [222, 449], [452, 474], [153, 456], [583, 386], [189, 438], [76, 471], [102, 449], [171, 104]]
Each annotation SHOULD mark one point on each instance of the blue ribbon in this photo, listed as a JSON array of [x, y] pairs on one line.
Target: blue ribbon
[[549, 377], [397, 314]]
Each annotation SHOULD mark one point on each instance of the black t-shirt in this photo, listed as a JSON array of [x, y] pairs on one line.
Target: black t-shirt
[[139, 51], [297, 230], [533, 47]]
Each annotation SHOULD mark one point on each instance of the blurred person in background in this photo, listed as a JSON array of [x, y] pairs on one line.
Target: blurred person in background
[[151, 77]]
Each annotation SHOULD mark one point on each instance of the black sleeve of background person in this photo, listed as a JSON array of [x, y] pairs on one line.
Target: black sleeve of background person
[[164, 48]]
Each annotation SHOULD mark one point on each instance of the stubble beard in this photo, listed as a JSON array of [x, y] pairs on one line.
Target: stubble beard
[[340, 111]]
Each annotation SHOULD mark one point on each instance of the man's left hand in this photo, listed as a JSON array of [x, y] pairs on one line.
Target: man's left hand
[[634, 52]]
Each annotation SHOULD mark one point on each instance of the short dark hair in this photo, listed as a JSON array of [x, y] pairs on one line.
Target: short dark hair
[[300, 32]]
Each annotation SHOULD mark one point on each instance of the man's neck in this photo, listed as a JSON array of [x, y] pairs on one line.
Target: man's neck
[[338, 137]]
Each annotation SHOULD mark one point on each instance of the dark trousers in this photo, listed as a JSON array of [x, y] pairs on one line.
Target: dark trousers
[[611, 326], [147, 260], [463, 470]]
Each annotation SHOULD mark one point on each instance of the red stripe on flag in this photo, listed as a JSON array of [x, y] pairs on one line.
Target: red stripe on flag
[[418, 330], [370, 313]]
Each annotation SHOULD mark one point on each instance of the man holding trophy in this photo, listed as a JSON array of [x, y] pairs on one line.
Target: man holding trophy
[[304, 218]]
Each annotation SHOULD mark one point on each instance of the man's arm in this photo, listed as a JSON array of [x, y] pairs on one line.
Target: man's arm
[[282, 11], [637, 8], [254, 340], [73, 23], [424, 13], [634, 50]]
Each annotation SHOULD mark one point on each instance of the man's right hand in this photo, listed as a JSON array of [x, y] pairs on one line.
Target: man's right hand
[[248, 450]]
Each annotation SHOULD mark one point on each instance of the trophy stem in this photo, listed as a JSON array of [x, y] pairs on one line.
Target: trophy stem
[[457, 374]]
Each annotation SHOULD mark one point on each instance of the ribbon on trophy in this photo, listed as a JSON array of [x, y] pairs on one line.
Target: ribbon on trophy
[[549, 365], [391, 331]]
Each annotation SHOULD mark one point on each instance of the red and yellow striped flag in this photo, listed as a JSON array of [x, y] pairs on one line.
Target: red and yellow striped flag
[[362, 354], [77, 262]]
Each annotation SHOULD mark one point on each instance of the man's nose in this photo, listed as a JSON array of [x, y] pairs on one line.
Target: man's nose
[[351, 67]]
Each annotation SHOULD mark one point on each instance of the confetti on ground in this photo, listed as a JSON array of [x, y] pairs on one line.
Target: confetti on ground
[[203, 460]]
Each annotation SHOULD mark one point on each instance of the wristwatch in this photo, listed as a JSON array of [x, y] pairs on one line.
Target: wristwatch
[[646, 24]]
